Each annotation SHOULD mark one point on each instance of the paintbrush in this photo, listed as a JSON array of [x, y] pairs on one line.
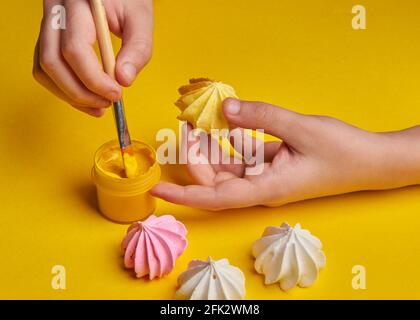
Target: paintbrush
[[108, 62]]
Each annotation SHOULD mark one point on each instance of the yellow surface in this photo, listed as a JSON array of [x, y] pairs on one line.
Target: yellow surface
[[299, 54]]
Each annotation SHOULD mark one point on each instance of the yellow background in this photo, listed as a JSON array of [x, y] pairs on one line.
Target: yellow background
[[302, 55]]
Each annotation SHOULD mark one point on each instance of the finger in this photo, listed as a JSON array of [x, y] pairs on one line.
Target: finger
[[46, 82], [276, 121], [271, 149], [198, 164], [94, 112], [53, 64], [220, 157], [244, 143], [248, 145], [235, 193], [222, 176], [77, 49], [211, 161], [137, 34]]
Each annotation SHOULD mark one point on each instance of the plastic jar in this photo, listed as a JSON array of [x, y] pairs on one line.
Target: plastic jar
[[125, 200]]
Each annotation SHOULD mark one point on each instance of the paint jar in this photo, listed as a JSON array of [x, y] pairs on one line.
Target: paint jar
[[121, 199]]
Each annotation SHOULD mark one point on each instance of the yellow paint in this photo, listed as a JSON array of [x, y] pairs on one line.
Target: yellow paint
[[302, 55], [111, 162], [121, 199], [131, 165]]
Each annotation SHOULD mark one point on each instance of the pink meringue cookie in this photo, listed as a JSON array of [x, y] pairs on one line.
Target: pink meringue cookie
[[152, 246]]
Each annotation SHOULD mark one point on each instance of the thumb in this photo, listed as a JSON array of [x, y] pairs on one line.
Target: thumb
[[136, 50], [277, 121]]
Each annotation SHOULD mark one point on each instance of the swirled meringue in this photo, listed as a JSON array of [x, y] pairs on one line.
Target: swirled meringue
[[201, 103], [211, 280], [289, 255], [152, 246]]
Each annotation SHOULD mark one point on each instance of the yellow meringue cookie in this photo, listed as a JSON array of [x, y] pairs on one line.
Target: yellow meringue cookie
[[201, 103]]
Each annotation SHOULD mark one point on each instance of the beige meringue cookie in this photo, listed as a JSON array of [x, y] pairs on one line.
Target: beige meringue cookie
[[288, 255], [211, 280], [201, 103]]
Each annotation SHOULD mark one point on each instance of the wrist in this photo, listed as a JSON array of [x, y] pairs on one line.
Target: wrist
[[399, 157]]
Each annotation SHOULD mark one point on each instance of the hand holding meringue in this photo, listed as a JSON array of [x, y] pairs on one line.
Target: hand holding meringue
[[211, 280], [152, 246], [289, 255], [201, 103]]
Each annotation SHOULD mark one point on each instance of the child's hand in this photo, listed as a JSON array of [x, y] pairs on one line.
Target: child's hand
[[65, 61], [319, 156]]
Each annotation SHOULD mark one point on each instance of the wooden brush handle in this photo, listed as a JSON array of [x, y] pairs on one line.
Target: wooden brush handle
[[108, 62], [104, 37]]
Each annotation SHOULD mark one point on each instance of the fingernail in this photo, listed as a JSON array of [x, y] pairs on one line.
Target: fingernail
[[115, 95], [98, 112], [233, 106], [129, 71], [104, 103]]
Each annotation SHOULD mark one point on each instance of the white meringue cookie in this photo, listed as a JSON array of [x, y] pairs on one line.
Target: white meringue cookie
[[291, 256], [211, 280]]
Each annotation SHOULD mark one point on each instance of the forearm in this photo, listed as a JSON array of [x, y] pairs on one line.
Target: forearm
[[401, 157]]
